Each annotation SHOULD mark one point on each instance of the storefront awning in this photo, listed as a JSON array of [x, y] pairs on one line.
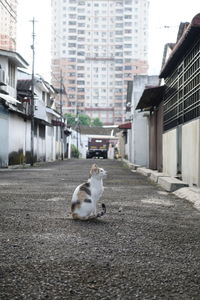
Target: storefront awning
[[9, 99], [125, 126]]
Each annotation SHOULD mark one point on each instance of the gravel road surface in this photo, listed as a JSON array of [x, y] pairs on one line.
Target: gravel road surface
[[147, 246]]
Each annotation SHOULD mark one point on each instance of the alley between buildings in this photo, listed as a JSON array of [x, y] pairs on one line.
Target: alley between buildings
[[145, 247]]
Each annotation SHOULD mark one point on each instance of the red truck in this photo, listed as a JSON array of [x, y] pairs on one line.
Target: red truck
[[97, 147]]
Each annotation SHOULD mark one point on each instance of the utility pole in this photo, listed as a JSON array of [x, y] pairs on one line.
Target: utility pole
[[77, 124], [32, 93], [61, 117]]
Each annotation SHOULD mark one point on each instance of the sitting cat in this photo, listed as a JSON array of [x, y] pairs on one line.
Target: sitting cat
[[87, 194]]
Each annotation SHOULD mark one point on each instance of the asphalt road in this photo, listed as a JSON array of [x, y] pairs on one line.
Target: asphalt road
[[147, 246]]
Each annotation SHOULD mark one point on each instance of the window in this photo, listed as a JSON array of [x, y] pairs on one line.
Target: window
[[118, 47], [81, 53], [80, 82], [119, 32], [72, 37], [72, 74], [71, 96], [81, 17], [118, 75], [127, 31], [72, 52], [81, 24], [71, 45], [72, 81], [128, 68], [81, 31], [80, 75], [72, 16], [118, 68], [11, 74], [80, 97], [72, 22], [72, 30], [127, 46], [119, 61], [80, 90]]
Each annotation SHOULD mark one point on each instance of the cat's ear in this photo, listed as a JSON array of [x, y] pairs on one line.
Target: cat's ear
[[94, 169]]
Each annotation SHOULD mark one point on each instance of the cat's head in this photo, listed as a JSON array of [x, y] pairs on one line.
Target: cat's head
[[97, 172]]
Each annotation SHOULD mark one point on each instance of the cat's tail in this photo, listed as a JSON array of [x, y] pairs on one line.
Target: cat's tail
[[100, 214]]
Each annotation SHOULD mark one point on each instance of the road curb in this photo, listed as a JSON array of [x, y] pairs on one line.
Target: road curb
[[170, 184]]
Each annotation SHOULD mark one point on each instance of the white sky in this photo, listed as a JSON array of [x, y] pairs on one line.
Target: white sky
[[162, 13]]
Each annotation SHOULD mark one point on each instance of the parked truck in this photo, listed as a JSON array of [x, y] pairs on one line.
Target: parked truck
[[97, 147], [101, 146]]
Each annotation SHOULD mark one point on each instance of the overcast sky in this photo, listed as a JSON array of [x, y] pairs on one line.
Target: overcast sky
[[164, 19]]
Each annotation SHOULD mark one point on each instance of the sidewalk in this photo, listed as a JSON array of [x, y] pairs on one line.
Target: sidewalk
[[170, 184]]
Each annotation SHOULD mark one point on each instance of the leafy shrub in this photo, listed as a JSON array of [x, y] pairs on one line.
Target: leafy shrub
[[74, 152]]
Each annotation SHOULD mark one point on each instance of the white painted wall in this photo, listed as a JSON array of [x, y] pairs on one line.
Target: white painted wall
[[170, 152], [191, 152], [82, 142], [17, 133], [139, 153], [49, 143], [140, 140]]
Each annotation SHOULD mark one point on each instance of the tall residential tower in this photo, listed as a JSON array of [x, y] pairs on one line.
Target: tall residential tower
[[97, 46], [8, 21]]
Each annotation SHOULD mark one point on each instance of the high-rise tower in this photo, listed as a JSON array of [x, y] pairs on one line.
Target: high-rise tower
[[99, 45], [8, 24]]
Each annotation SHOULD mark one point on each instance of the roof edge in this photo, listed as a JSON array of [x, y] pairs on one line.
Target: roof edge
[[195, 23]]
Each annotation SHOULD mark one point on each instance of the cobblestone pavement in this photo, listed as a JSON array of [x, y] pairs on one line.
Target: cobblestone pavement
[[147, 246]]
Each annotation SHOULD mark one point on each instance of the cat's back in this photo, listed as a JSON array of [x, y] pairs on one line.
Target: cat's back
[[81, 191]]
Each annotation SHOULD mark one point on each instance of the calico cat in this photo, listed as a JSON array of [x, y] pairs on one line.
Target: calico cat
[[86, 195]]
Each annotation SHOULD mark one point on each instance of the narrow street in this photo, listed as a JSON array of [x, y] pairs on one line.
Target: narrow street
[[145, 247]]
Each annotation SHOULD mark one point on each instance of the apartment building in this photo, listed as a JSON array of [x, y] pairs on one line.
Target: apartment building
[[8, 21], [98, 45]]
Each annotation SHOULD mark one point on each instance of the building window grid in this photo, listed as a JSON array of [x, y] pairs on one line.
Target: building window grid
[[182, 97]]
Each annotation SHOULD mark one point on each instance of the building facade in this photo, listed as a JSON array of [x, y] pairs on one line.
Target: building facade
[[98, 46], [8, 23], [181, 138]]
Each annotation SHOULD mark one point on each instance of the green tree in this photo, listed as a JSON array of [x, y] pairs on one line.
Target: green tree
[[84, 120], [97, 122], [71, 119]]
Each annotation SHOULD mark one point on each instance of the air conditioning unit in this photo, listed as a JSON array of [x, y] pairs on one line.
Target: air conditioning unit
[[2, 77]]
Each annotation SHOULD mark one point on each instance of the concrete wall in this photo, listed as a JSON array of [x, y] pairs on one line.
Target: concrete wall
[[191, 153], [140, 140], [49, 143], [140, 122], [170, 152], [18, 139]]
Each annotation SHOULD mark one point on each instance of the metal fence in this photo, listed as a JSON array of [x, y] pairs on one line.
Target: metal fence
[[182, 95]]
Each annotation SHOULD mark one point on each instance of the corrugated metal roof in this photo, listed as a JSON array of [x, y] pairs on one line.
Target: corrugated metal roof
[[189, 37], [151, 97]]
